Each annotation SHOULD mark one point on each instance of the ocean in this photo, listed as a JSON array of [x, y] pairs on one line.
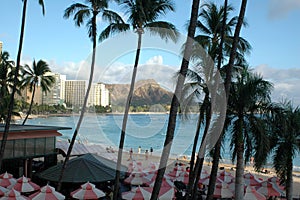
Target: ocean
[[144, 130]]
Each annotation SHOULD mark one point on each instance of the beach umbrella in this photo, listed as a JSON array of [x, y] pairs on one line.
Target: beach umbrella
[[176, 171], [251, 180], [25, 185], [3, 190], [183, 177], [7, 180], [166, 182], [136, 179], [165, 192], [266, 188], [222, 191], [252, 194], [205, 181], [13, 195], [87, 191], [47, 193], [138, 193], [226, 177]]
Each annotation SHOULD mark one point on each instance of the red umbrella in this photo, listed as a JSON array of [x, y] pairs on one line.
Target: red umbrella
[[225, 176], [3, 190], [183, 177], [14, 195], [87, 191], [176, 171], [251, 180], [7, 179], [137, 179], [268, 190], [25, 185], [252, 194], [144, 193], [138, 193], [222, 191], [47, 193]]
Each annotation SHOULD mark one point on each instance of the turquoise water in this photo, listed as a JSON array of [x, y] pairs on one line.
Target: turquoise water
[[142, 130]]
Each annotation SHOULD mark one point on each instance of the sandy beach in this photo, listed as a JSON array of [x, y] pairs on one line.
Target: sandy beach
[[228, 167]]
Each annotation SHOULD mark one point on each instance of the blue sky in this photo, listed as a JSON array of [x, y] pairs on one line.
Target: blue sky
[[273, 32]]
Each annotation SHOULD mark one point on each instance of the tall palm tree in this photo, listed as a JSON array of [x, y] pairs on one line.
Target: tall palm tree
[[249, 95], [82, 12], [228, 70], [285, 142], [6, 76], [16, 74], [37, 75], [142, 17], [175, 100]]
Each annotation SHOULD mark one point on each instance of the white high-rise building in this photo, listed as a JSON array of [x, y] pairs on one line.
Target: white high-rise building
[[56, 95], [99, 95], [74, 92]]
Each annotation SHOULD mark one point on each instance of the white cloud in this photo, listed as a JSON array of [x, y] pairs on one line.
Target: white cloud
[[155, 60], [286, 82], [280, 8]]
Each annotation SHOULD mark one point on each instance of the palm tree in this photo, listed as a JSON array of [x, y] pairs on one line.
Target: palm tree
[[249, 96], [285, 142], [6, 76], [16, 74], [175, 100], [37, 75], [82, 12], [143, 15], [216, 38], [228, 70]]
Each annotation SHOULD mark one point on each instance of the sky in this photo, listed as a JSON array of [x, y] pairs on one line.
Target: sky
[[272, 30]]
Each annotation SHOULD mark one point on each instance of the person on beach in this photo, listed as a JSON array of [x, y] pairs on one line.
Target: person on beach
[[130, 154], [139, 150], [146, 154], [151, 151]]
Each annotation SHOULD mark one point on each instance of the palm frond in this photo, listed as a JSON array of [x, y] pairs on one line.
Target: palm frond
[[164, 29], [41, 2], [113, 29]]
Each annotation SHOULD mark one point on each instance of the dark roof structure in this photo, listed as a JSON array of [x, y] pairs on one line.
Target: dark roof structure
[[17, 131], [23, 128], [89, 167]]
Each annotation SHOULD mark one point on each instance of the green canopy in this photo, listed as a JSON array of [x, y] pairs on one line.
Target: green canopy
[[89, 167]]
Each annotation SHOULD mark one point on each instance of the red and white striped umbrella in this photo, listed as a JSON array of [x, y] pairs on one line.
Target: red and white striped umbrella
[[222, 191], [13, 195], [47, 193], [138, 193], [176, 171], [252, 194], [205, 181], [183, 177], [87, 191], [3, 190], [137, 179], [226, 176], [144, 193], [251, 180], [25, 185], [268, 190], [7, 180]]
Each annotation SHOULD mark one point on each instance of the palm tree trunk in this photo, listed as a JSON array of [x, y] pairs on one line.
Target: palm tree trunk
[[175, 102], [239, 174], [125, 118], [234, 47], [220, 56], [289, 179], [201, 152], [192, 162], [83, 106], [11, 103], [30, 107], [214, 170]]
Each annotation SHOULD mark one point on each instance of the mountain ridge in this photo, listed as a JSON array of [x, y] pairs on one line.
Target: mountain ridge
[[146, 92]]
